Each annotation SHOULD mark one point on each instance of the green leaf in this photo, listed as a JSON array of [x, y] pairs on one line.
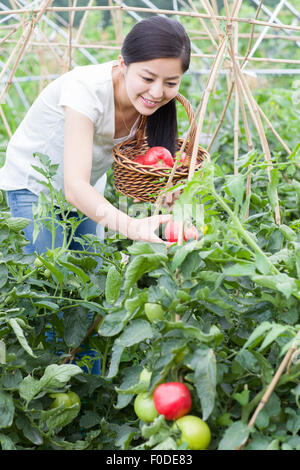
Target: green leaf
[[76, 270], [113, 285], [205, 379], [113, 323], [138, 330], [2, 352], [275, 331], [297, 259], [3, 275], [235, 436], [55, 376], [261, 263], [58, 417], [240, 269], [77, 322], [77, 445], [272, 187], [287, 232], [6, 442], [280, 282], [235, 185], [242, 398], [56, 273], [182, 252], [17, 224], [139, 266], [214, 334], [15, 325], [117, 351], [124, 436], [7, 410], [257, 335], [30, 432], [142, 248], [246, 159]]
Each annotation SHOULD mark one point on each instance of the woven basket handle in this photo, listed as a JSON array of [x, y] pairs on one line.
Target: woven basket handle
[[140, 133]]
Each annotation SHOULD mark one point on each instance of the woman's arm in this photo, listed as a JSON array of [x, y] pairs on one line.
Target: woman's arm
[[78, 152]]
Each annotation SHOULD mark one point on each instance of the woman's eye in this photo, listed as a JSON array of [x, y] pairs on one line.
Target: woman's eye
[[171, 84], [147, 79]]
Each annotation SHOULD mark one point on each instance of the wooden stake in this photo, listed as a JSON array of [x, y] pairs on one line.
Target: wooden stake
[[274, 382]]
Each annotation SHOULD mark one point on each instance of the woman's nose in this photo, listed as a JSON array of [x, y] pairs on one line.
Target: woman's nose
[[156, 90]]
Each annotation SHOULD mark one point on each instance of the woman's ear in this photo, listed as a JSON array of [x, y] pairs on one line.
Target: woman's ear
[[121, 62]]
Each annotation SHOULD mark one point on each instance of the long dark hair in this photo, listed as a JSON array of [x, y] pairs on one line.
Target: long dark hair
[[154, 38]]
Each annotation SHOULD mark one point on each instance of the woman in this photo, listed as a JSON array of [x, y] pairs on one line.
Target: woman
[[80, 116]]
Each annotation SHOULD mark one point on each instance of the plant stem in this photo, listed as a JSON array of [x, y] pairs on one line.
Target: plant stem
[[244, 234]]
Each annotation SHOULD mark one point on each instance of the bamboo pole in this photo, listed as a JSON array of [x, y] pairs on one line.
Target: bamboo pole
[[204, 102], [14, 29], [15, 49], [26, 36], [198, 35], [154, 11], [209, 11], [286, 360], [82, 23], [258, 124], [209, 34], [5, 122], [258, 41]]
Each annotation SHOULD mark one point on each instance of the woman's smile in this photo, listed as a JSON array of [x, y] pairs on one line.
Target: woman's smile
[[149, 103]]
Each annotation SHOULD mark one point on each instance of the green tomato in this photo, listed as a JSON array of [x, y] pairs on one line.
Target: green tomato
[[74, 398], [38, 263], [194, 432], [144, 407], [145, 376], [154, 311], [47, 273], [67, 399], [60, 399]]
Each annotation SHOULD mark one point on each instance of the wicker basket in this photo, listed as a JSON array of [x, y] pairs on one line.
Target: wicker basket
[[143, 181]]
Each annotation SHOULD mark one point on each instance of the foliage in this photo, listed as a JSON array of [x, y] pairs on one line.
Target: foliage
[[236, 291]]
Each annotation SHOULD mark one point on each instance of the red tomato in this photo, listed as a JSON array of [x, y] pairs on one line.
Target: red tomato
[[172, 399], [190, 232], [182, 158], [139, 159], [172, 232], [150, 159], [161, 153]]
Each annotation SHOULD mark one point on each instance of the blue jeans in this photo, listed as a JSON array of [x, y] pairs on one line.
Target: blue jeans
[[20, 202]]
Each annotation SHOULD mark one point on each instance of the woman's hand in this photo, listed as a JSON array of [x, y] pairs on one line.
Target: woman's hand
[[144, 229]]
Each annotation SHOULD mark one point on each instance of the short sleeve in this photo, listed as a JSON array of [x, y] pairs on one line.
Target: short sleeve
[[81, 97]]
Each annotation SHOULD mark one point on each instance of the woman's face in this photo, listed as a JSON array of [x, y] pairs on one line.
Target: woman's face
[[152, 84]]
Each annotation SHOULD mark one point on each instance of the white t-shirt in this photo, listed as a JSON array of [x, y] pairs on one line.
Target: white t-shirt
[[87, 89]]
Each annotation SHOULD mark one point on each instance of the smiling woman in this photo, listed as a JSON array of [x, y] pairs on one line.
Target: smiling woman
[[156, 53], [82, 115]]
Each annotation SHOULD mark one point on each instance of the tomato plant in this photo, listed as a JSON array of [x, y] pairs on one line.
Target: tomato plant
[[230, 302]]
